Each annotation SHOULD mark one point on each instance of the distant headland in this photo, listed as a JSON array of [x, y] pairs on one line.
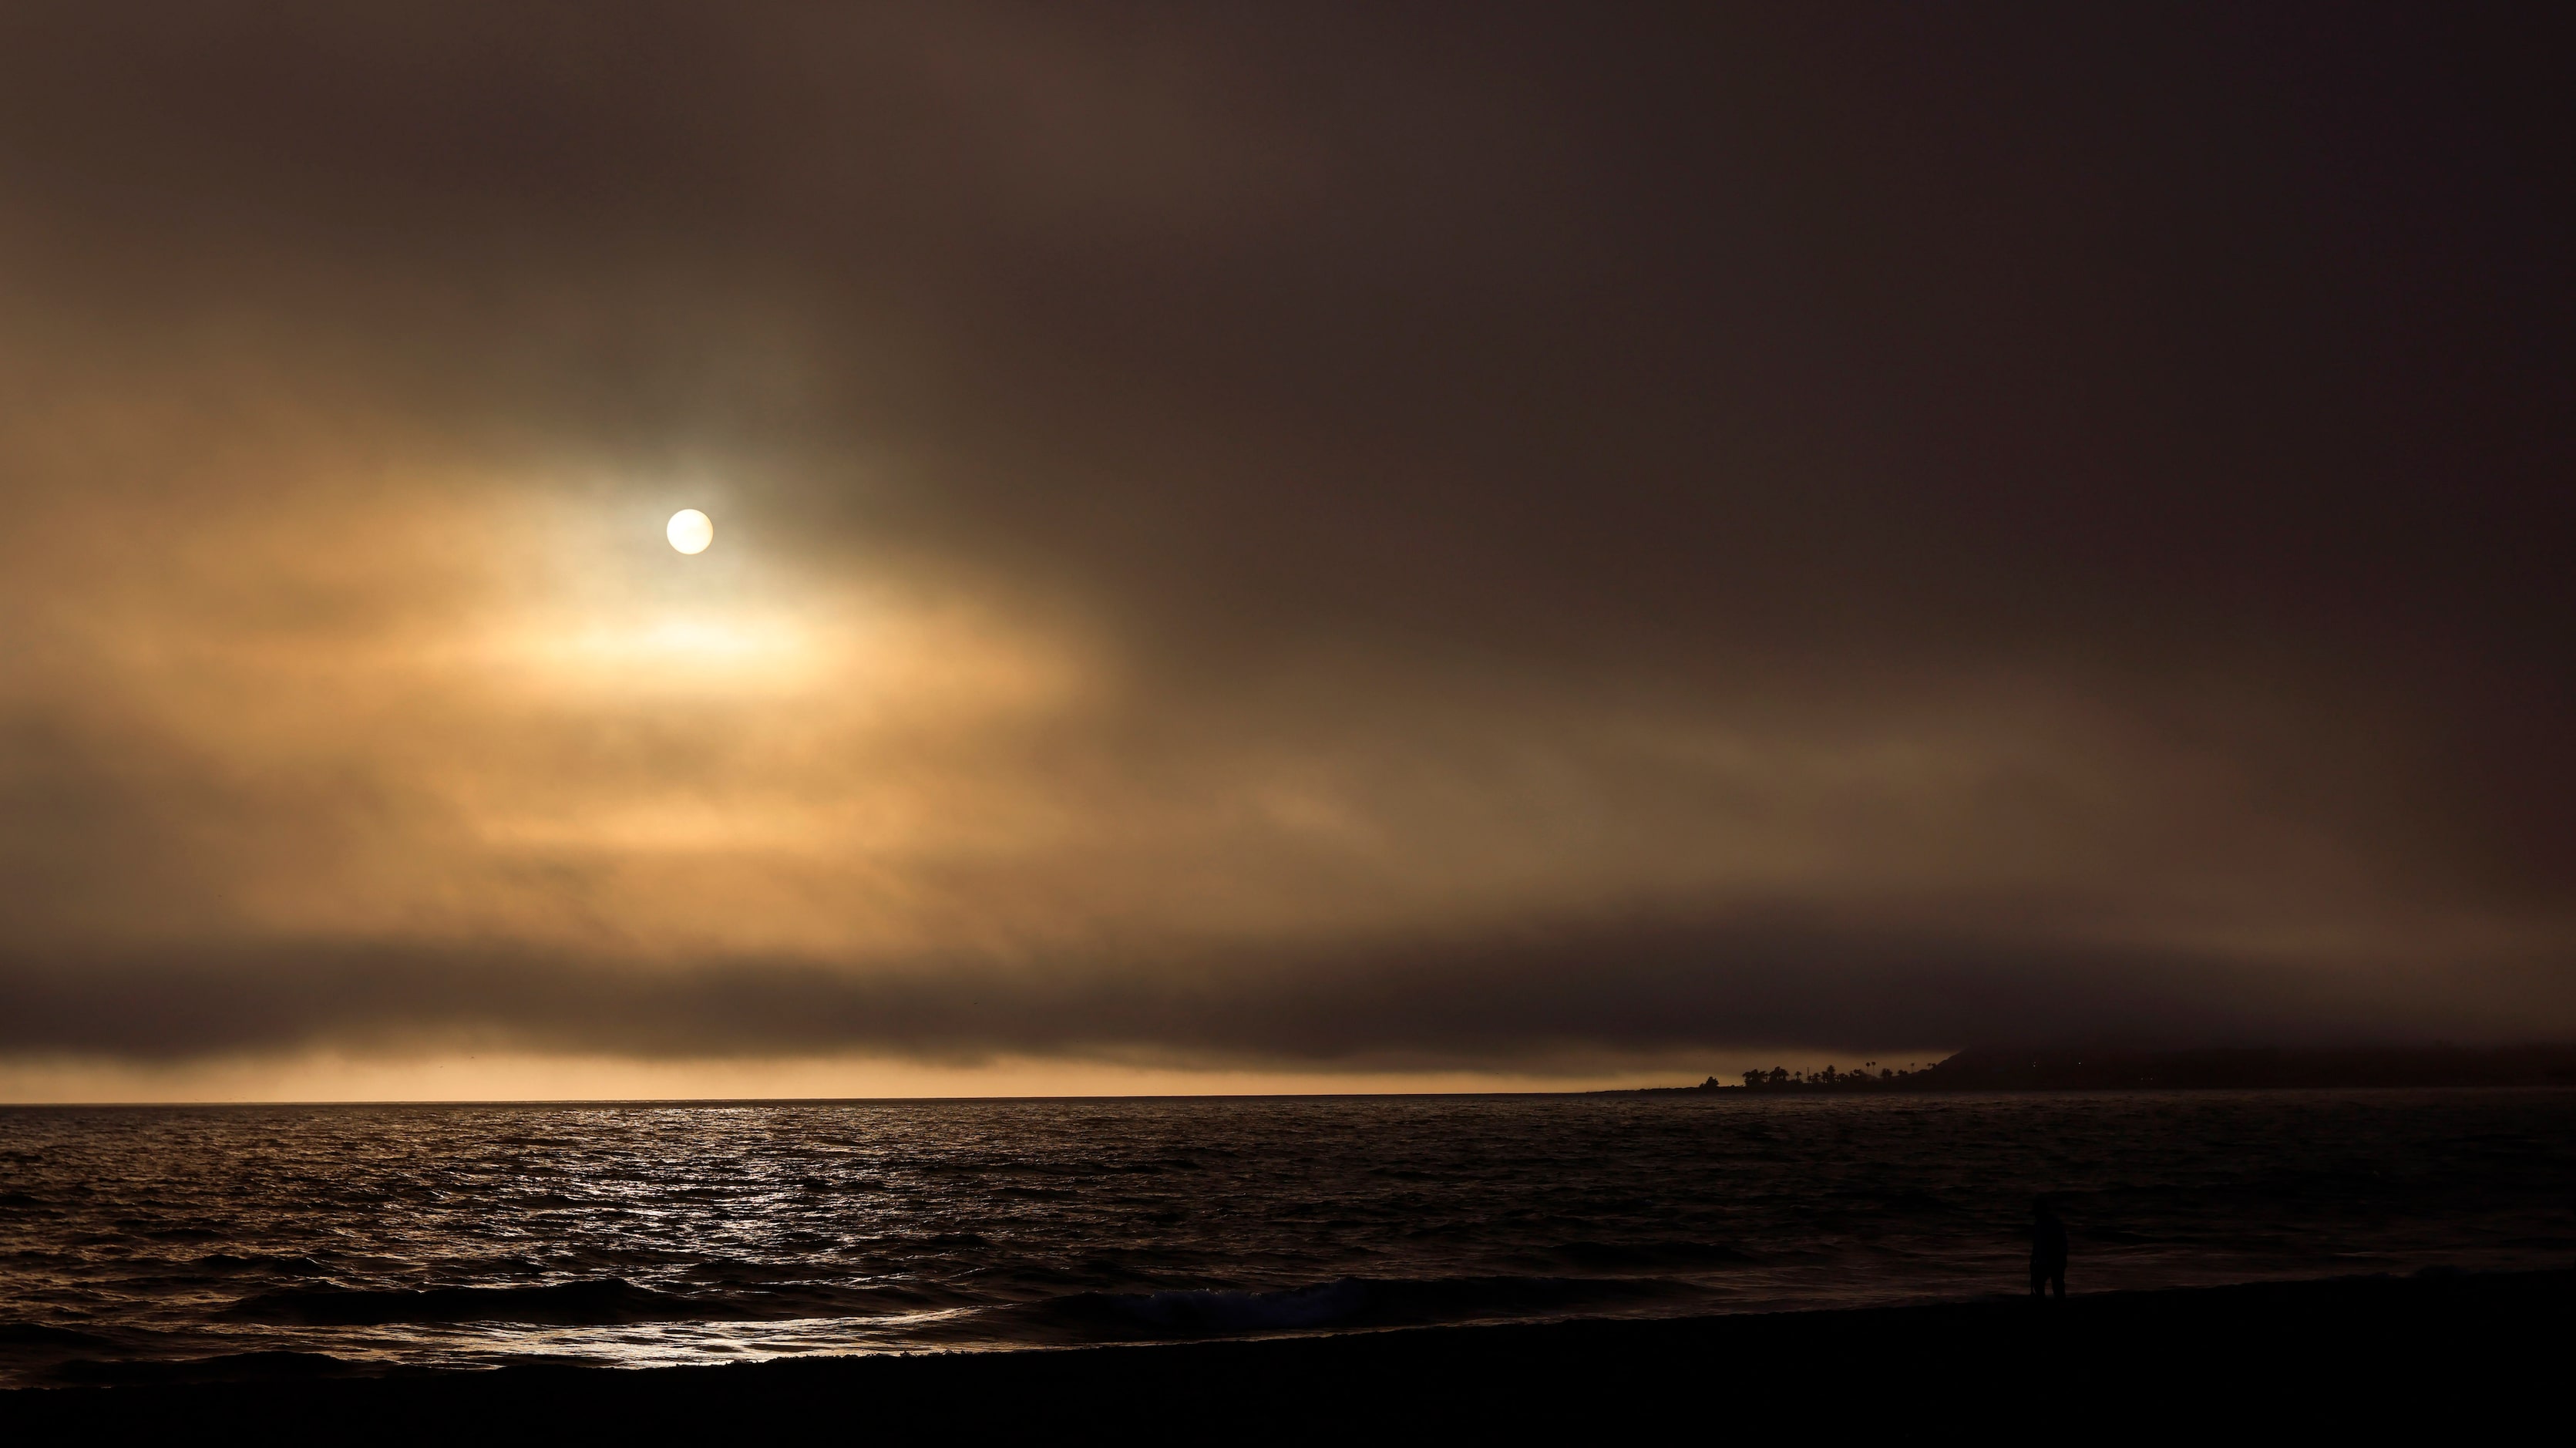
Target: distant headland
[[1997, 1068]]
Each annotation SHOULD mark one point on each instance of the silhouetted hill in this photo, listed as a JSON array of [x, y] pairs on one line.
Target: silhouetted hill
[[2239, 1067], [2009, 1068]]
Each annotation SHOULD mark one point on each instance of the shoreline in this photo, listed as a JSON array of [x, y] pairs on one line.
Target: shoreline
[[2433, 1343]]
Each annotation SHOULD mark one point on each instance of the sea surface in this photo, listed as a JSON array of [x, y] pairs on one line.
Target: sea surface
[[152, 1241]]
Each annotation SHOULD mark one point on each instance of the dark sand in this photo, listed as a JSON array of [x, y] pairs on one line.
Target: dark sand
[[2357, 1354]]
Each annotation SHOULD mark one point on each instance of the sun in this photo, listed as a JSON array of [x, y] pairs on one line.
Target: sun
[[691, 531]]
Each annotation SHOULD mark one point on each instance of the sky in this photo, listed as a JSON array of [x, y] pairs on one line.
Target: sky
[[1279, 547]]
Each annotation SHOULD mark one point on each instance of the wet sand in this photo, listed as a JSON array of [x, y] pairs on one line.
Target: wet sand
[[2355, 1353]]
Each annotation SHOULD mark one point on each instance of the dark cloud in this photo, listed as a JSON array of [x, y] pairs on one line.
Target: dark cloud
[[1563, 994], [1395, 475]]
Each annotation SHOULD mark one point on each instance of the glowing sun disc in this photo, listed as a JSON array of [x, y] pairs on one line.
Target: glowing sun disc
[[691, 531]]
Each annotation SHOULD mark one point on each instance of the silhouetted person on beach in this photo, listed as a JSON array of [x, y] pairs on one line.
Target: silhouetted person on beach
[[2047, 1249]]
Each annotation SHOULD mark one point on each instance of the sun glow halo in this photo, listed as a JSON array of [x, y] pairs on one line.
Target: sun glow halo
[[691, 531]]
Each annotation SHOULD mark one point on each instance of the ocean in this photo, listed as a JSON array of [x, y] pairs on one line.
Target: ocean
[[655, 1234]]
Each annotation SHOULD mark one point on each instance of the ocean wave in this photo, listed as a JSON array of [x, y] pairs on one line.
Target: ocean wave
[[1604, 1256], [598, 1300], [1346, 1304], [39, 1334], [238, 1367], [299, 1266], [590, 1302]]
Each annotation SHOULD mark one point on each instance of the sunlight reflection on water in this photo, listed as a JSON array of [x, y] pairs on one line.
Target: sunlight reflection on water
[[647, 1235]]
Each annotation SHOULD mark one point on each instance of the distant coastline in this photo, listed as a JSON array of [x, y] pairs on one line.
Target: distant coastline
[[2002, 1068]]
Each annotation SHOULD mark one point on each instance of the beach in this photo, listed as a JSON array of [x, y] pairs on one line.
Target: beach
[[2466, 1347]]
